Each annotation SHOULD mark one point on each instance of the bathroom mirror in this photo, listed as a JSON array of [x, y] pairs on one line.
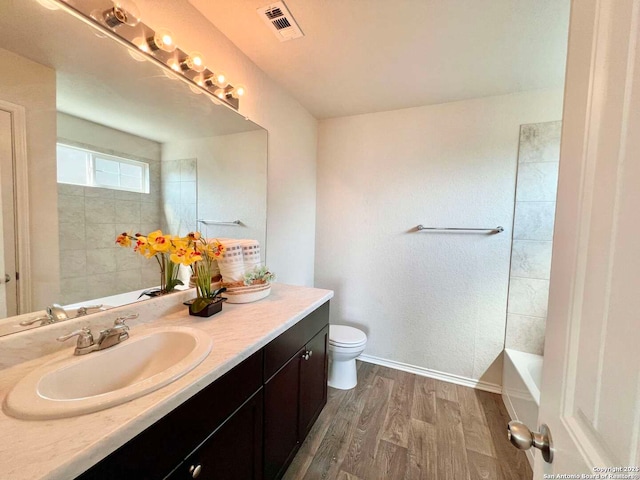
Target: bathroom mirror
[[89, 110]]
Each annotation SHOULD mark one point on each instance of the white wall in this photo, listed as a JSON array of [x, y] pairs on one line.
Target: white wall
[[33, 86], [431, 300], [292, 137], [231, 183]]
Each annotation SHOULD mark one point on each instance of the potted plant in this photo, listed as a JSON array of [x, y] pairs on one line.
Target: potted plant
[[208, 302]]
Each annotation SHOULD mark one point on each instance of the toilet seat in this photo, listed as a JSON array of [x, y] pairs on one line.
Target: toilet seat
[[345, 336]]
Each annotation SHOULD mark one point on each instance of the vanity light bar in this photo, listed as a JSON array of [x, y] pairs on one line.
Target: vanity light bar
[[120, 20]]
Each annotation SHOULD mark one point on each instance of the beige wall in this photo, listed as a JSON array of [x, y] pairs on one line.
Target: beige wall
[[231, 177], [292, 137], [435, 301], [33, 86]]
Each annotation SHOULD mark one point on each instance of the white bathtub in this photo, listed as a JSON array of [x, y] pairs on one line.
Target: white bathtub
[[521, 388]]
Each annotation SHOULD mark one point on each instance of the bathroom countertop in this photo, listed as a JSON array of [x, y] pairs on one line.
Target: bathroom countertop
[[64, 448]]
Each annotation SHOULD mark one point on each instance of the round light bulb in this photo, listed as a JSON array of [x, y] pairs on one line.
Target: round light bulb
[[123, 12], [174, 65], [48, 4], [141, 43], [221, 79], [194, 62], [220, 93], [162, 39], [238, 91]]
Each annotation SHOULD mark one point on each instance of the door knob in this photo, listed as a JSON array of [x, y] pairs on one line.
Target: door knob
[[195, 470], [521, 437]]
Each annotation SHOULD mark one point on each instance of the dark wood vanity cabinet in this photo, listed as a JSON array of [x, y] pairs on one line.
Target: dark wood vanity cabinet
[[247, 425], [295, 394], [233, 452]]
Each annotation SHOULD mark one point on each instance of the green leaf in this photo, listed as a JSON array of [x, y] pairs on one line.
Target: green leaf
[[199, 304]]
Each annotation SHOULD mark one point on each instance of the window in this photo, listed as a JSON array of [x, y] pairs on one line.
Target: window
[[80, 166]]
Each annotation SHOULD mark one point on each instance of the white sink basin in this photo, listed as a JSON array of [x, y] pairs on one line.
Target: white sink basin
[[74, 385]]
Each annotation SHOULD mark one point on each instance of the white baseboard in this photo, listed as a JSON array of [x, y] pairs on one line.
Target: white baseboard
[[427, 372]]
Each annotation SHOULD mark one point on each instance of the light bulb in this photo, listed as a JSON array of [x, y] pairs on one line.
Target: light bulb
[[221, 79], [141, 43], [220, 93], [238, 91], [200, 80], [137, 56], [162, 39], [123, 12], [48, 4], [193, 62], [174, 64]]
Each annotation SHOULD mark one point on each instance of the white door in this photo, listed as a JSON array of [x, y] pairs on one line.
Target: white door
[[8, 290], [591, 389]]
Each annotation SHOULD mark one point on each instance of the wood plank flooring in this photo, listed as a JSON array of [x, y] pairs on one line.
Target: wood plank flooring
[[399, 426]]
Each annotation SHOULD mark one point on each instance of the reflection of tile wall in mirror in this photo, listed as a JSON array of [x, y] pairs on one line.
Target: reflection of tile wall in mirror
[[100, 89]]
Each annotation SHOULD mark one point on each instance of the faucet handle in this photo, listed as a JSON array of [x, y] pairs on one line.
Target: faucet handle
[[84, 310], [45, 320], [85, 338], [120, 320]]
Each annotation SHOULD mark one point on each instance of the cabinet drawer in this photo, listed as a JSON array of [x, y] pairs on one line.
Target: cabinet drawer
[[160, 448], [281, 349]]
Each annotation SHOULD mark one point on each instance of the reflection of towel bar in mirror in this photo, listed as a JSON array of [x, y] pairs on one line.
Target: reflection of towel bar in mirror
[[233, 223], [459, 229]]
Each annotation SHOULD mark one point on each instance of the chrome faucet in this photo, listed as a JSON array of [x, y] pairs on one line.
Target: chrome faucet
[[55, 313], [108, 337]]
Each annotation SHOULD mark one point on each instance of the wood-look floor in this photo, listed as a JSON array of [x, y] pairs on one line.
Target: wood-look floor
[[399, 426]]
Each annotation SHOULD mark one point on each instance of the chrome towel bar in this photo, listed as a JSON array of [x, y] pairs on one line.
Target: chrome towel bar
[[233, 223], [491, 231]]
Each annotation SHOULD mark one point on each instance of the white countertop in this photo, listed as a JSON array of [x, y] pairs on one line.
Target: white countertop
[[62, 449]]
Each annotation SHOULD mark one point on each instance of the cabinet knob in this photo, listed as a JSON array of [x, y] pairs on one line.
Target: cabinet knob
[[306, 355], [195, 470]]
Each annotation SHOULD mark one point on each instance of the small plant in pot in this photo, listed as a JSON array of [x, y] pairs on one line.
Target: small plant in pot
[[208, 302], [259, 276]]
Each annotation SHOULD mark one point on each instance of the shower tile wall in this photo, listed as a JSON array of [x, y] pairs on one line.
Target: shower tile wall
[[92, 265], [532, 236], [179, 194]]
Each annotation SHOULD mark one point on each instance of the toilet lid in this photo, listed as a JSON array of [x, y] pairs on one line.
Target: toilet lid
[[344, 335]]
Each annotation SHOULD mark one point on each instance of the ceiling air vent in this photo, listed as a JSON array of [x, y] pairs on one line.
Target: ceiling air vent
[[280, 21]]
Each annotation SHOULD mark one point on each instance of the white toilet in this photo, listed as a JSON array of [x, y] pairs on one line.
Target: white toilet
[[345, 344]]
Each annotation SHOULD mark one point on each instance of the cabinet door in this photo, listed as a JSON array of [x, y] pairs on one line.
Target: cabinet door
[[233, 451], [313, 381], [281, 412]]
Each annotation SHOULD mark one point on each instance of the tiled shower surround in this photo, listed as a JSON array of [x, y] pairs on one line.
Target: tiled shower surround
[[92, 265], [532, 236]]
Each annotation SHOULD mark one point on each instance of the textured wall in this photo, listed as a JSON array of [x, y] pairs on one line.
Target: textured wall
[[91, 264], [432, 300], [536, 190]]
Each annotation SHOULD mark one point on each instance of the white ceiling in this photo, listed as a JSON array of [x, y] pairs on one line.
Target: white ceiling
[[362, 56]]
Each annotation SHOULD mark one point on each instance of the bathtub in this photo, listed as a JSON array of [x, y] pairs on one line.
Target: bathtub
[[521, 378]]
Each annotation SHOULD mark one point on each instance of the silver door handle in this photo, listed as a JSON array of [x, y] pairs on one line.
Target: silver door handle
[[521, 437]]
